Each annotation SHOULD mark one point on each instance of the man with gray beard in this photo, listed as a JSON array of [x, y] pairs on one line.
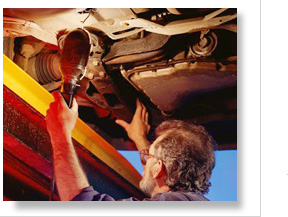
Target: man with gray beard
[[177, 165]]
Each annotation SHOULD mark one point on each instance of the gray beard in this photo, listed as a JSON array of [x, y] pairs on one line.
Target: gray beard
[[147, 184]]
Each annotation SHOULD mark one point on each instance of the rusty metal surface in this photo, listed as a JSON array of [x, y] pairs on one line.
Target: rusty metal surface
[[25, 136], [25, 123]]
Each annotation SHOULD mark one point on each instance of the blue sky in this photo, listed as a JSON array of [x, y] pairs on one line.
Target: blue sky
[[224, 176]]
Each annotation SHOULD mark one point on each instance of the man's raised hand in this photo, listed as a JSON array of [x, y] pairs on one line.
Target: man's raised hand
[[139, 127]]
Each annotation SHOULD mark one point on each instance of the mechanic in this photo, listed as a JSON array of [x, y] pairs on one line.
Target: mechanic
[[177, 165]]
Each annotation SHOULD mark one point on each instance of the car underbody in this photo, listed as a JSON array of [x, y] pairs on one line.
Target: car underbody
[[181, 63]]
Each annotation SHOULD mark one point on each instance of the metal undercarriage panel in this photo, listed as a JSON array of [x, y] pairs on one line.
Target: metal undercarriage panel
[[170, 87]]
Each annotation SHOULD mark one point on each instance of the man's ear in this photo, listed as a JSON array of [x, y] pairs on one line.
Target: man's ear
[[158, 169]]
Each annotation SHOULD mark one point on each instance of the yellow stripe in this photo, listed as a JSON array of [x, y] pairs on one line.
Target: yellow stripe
[[39, 98]]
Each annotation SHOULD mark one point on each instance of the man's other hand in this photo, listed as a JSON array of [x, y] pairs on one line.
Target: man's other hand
[[60, 120], [139, 127]]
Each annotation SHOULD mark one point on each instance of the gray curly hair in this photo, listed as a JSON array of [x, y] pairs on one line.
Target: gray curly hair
[[188, 154]]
